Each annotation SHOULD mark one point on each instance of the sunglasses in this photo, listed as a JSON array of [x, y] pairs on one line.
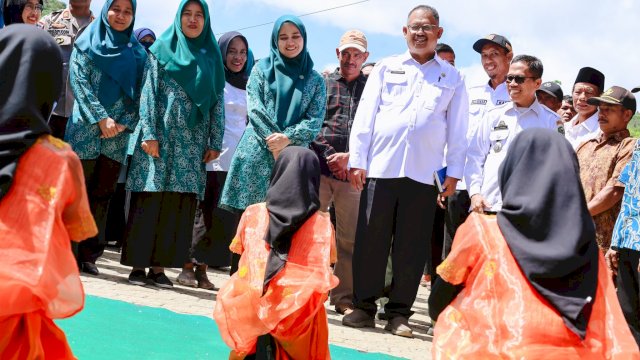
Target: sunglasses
[[518, 79]]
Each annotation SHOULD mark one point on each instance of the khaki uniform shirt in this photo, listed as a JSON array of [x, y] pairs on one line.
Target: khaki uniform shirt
[[64, 28]]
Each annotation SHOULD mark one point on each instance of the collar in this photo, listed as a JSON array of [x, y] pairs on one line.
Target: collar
[[616, 136], [535, 107], [336, 76], [591, 124], [406, 56]]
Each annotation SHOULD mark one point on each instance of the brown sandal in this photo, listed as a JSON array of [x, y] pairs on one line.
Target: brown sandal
[[203, 280]]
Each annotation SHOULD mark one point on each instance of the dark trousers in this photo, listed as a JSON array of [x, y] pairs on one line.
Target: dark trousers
[[58, 125], [628, 283], [213, 227], [411, 205], [117, 216], [101, 178], [457, 212], [437, 242]]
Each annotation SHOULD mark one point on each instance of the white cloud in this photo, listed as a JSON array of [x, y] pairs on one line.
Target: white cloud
[[565, 35]]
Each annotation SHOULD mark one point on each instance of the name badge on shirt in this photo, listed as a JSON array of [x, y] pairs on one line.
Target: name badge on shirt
[[479, 102], [498, 136]]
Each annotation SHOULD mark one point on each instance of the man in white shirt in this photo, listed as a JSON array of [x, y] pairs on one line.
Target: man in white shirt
[[496, 53], [413, 106], [584, 126], [498, 128]]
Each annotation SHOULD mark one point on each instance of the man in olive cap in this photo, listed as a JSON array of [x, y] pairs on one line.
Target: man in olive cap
[[623, 256], [603, 157]]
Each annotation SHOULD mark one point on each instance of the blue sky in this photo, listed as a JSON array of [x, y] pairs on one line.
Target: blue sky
[[566, 35]]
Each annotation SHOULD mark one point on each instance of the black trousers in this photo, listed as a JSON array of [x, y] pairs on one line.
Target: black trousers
[[411, 206], [628, 283], [213, 227], [437, 242], [58, 125], [457, 212], [101, 178]]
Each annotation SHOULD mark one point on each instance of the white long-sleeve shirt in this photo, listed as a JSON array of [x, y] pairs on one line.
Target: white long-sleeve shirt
[[235, 121], [585, 131], [482, 98], [491, 142], [408, 113]]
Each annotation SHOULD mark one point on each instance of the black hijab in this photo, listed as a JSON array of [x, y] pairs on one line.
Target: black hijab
[[547, 225], [239, 79], [292, 198], [30, 82]]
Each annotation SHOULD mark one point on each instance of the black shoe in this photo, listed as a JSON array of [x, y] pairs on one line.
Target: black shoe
[[89, 268], [138, 277], [358, 319], [159, 279]]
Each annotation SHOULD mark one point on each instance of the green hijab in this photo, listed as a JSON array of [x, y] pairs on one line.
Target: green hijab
[[116, 53], [286, 76], [195, 64]]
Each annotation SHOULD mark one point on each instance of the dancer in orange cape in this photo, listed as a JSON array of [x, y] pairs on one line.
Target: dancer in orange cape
[[273, 306], [530, 282], [43, 203]]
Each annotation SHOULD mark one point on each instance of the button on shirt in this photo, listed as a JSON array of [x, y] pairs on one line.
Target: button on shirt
[[235, 121], [491, 142], [483, 98], [408, 113], [626, 232], [586, 130]]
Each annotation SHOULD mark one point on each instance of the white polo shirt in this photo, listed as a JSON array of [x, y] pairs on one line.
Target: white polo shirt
[[491, 142]]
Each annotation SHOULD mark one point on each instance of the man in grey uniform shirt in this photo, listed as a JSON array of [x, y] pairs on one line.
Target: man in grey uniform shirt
[[65, 25]]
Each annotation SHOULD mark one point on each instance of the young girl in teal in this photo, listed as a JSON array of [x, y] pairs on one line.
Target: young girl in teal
[[286, 102], [181, 126], [105, 75]]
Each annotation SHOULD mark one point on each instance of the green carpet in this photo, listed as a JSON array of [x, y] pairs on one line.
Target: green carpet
[[111, 329]]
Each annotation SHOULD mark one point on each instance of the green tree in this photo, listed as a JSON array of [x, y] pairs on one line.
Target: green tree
[[51, 6]]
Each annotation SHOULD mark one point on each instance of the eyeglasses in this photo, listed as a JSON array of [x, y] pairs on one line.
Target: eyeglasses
[[518, 79], [33, 7], [241, 54], [424, 28]]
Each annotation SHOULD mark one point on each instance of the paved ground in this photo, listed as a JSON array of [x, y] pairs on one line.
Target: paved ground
[[112, 283]]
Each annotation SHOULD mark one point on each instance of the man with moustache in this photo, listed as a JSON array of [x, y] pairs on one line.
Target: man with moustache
[[603, 157], [65, 25], [499, 127], [413, 106], [496, 53], [623, 256], [344, 88], [584, 126]]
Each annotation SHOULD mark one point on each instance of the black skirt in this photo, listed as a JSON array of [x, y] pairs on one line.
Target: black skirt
[[158, 231], [213, 228]]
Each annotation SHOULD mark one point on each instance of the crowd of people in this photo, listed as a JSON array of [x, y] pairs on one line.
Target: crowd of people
[[194, 154]]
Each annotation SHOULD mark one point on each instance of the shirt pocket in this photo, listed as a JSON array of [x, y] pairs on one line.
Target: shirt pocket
[[437, 97], [394, 89]]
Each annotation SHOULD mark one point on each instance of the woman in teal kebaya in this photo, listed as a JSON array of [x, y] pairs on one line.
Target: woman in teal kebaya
[[181, 129], [286, 102], [105, 75]]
